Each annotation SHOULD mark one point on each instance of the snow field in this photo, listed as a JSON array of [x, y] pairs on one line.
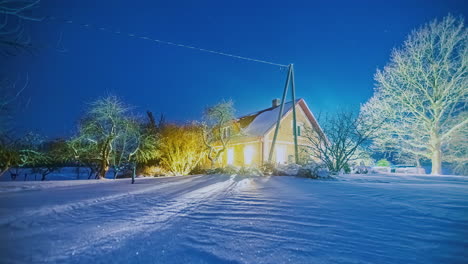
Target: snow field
[[231, 219]]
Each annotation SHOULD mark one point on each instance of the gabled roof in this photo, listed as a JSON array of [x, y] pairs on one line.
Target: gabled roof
[[259, 123]]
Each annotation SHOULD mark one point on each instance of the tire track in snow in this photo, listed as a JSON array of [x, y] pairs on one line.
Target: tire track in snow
[[149, 219], [57, 209]]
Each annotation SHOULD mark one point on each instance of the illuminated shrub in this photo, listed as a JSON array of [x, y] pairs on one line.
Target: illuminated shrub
[[181, 148], [153, 171], [383, 163]]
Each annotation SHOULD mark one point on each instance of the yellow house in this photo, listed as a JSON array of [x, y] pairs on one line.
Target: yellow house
[[251, 135]]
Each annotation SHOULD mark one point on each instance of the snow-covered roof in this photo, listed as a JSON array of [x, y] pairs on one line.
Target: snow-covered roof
[[258, 123]]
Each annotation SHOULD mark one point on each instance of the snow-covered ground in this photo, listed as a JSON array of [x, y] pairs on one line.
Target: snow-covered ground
[[228, 219]]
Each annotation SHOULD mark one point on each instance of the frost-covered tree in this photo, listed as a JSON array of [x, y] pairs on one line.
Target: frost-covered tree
[[47, 157], [216, 129], [9, 154], [181, 148], [422, 93], [109, 136], [84, 153], [31, 151], [103, 124], [136, 143]]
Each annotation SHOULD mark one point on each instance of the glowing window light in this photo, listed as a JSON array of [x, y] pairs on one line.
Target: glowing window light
[[248, 155], [230, 156], [280, 154]]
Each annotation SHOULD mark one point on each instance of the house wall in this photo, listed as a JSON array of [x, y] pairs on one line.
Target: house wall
[[240, 150], [285, 137], [261, 146]]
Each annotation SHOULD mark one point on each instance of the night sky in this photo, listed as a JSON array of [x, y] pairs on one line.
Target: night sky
[[336, 47]]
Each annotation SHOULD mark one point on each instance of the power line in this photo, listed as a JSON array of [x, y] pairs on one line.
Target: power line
[[169, 42]]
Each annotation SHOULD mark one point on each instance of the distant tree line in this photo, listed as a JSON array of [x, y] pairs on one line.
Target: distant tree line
[[109, 138]]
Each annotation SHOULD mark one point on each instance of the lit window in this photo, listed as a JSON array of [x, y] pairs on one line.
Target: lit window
[[280, 154], [230, 156], [248, 155]]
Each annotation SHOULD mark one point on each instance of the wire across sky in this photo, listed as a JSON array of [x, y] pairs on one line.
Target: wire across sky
[[167, 42]]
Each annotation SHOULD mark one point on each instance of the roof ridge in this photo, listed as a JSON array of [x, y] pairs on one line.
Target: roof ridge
[[266, 109], [258, 123]]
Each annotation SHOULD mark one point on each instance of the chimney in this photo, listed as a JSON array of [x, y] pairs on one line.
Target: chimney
[[275, 102]]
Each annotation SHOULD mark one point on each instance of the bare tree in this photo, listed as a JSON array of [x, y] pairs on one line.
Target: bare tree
[[84, 153], [13, 14], [109, 136], [344, 136], [9, 153], [10, 91], [30, 151], [104, 123], [216, 129], [136, 143], [422, 92], [47, 157]]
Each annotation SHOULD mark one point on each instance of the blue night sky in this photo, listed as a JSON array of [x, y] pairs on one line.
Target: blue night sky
[[336, 47]]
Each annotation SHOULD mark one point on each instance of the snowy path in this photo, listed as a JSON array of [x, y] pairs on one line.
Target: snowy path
[[223, 219]]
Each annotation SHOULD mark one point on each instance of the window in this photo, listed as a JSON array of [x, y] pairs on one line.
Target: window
[[226, 132], [248, 154], [280, 154], [230, 156], [299, 128]]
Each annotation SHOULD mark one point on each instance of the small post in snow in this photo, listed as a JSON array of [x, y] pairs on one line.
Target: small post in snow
[[134, 172]]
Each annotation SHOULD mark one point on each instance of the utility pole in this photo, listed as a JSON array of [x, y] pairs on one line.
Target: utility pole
[[289, 80]]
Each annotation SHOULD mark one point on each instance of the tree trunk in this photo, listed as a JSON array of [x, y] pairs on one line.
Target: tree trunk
[[103, 169], [418, 162], [3, 171], [436, 159], [102, 172]]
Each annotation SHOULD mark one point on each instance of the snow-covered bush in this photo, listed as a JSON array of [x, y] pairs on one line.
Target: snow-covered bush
[[360, 169], [233, 170], [383, 163], [229, 170], [310, 170], [268, 168], [249, 171], [316, 170], [410, 170], [287, 170], [377, 169]]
